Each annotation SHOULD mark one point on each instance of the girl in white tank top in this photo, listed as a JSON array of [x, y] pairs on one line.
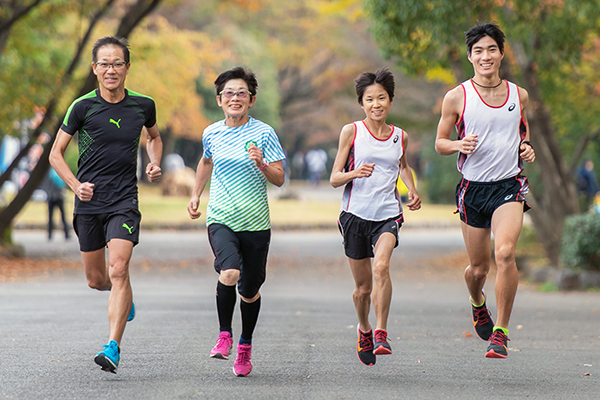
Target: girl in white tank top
[[375, 198], [371, 156]]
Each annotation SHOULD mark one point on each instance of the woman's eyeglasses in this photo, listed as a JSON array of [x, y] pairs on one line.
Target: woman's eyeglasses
[[241, 94]]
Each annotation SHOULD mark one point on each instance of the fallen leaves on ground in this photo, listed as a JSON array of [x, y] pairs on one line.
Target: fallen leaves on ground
[[19, 269]]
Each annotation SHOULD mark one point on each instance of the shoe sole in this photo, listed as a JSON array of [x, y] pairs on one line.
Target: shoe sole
[[106, 364], [382, 351], [493, 354], [240, 374], [219, 356]]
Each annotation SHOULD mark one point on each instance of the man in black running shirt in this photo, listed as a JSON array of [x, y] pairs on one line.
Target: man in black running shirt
[[110, 121]]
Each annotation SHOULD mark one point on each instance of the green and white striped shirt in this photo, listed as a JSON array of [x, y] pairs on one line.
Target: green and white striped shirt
[[238, 189]]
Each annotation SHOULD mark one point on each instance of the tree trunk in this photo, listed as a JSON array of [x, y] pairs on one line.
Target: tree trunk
[[559, 198]]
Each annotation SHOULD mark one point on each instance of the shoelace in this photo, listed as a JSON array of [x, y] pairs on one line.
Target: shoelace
[[482, 315], [365, 343], [223, 341], [381, 336], [499, 338], [109, 351], [243, 355]]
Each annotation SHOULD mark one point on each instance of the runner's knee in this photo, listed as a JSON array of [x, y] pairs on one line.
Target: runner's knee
[[229, 277], [381, 269], [505, 256], [478, 271], [119, 270], [363, 290]]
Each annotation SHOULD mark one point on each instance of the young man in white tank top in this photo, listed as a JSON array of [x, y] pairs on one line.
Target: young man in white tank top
[[492, 143], [371, 156]]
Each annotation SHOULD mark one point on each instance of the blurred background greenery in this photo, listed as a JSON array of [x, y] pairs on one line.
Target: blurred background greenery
[[306, 54]]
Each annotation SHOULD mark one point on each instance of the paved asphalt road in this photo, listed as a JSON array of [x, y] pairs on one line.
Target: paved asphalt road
[[304, 347]]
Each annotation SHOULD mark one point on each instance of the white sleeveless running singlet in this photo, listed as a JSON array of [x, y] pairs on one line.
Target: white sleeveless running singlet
[[374, 198], [500, 131]]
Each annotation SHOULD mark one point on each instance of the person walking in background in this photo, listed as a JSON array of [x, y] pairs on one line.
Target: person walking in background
[[587, 183], [110, 121], [241, 154], [493, 141], [371, 155], [56, 199], [316, 162]]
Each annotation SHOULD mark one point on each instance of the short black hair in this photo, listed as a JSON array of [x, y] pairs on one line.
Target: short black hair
[[237, 73], [479, 31], [111, 40], [382, 76]]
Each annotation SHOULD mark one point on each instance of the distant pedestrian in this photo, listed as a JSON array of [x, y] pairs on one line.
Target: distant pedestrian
[[56, 199], [241, 154], [316, 162], [493, 141], [370, 158], [587, 183]]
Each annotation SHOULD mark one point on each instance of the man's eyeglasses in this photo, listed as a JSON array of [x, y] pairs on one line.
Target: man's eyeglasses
[[241, 94], [116, 65]]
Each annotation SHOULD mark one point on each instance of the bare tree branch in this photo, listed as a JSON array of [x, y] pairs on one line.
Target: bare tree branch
[[6, 25], [19, 12]]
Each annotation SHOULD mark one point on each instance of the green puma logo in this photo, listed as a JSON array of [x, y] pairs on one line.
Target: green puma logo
[[112, 121], [128, 228]]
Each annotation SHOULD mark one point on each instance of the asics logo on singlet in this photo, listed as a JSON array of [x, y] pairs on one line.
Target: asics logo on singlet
[[128, 228], [396, 139], [112, 121], [512, 107], [508, 197]]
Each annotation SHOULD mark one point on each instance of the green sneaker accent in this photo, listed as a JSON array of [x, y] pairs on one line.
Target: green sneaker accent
[[112, 121], [128, 228], [475, 305], [499, 328]]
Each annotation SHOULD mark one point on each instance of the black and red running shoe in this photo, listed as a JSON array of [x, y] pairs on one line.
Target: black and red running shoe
[[381, 343], [364, 347], [498, 345], [482, 321]]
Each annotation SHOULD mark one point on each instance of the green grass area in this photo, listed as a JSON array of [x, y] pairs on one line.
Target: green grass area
[[163, 211]]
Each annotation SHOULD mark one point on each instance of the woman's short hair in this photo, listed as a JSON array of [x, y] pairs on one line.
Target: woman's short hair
[[382, 76], [237, 73]]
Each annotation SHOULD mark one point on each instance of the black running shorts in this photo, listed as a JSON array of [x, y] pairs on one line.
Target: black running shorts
[[245, 251], [95, 230], [477, 201], [361, 235]]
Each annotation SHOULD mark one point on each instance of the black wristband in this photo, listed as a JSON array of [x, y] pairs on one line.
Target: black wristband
[[528, 143]]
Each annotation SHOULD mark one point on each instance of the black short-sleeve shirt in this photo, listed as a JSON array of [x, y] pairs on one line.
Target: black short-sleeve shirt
[[109, 137]]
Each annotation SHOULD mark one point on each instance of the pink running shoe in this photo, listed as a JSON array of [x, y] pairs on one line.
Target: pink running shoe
[[223, 347], [242, 365]]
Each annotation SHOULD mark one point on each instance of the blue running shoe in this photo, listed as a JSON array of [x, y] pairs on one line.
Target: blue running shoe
[[131, 313], [108, 358]]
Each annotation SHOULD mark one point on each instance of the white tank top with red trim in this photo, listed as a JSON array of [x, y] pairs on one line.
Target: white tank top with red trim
[[499, 130], [374, 198]]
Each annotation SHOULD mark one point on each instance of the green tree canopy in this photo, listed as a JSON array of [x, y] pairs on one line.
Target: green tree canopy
[[548, 43]]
